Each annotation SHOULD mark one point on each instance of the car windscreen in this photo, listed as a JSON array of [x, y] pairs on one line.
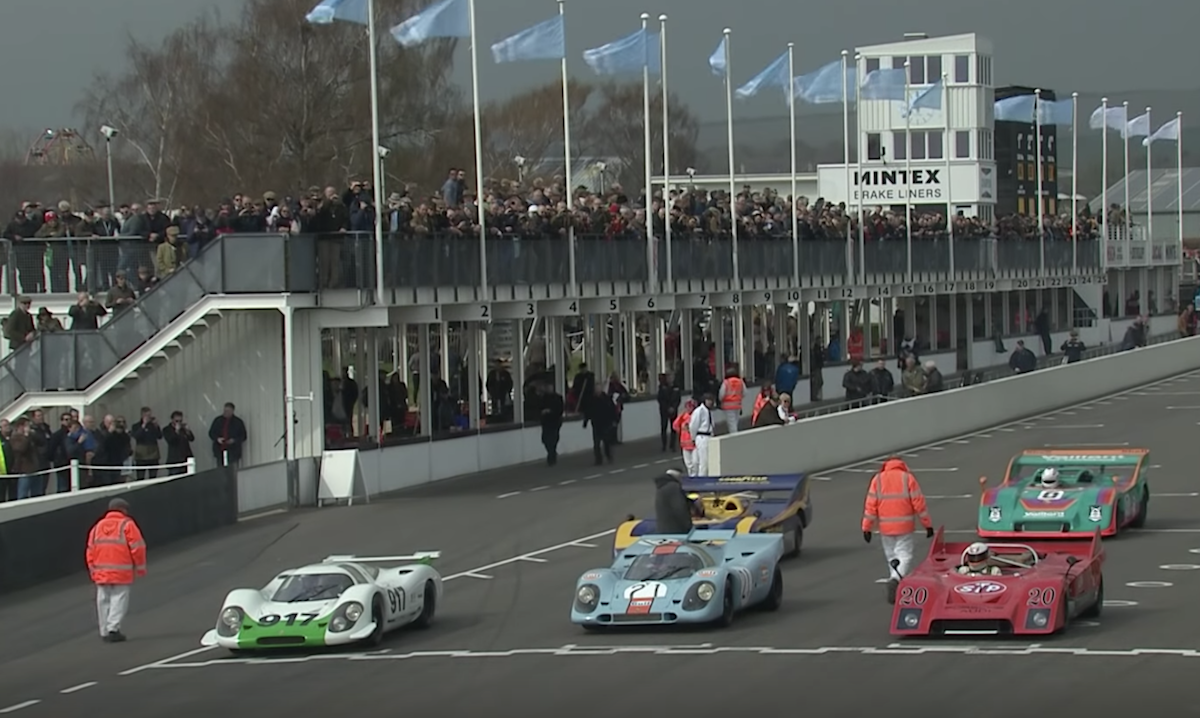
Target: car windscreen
[[663, 566], [1072, 476], [312, 587]]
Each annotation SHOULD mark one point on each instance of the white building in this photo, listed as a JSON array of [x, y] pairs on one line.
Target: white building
[[949, 152]]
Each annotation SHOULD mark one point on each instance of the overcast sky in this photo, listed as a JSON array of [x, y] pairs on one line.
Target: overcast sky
[[49, 48]]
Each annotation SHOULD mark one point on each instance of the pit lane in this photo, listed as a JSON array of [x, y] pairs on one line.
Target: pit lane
[[511, 630]]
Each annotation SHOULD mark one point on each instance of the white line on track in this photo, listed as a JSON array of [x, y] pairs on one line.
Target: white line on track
[[954, 496], [593, 476], [1068, 427], [158, 663], [509, 495], [1086, 443], [616, 471], [641, 466], [18, 706], [568, 482], [76, 689], [1193, 494], [1182, 408], [538, 488]]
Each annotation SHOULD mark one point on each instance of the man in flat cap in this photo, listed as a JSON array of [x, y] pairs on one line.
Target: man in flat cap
[[116, 555]]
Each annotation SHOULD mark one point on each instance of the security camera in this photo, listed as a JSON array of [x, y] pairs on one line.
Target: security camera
[[109, 132], [383, 152], [691, 171], [519, 160], [601, 166]]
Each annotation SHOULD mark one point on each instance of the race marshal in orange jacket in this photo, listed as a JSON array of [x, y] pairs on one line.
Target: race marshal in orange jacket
[[116, 556], [895, 502], [686, 442]]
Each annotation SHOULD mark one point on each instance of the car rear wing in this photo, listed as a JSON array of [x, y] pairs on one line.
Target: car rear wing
[[790, 483], [418, 557]]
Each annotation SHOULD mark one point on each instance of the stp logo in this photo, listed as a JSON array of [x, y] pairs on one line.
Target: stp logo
[[980, 588]]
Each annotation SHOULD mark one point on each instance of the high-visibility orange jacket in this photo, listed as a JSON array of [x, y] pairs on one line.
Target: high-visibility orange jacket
[[116, 551], [734, 389], [686, 442], [894, 501], [759, 402]]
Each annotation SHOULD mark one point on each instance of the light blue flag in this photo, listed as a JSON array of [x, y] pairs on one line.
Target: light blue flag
[[823, 86], [1169, 132], [1138, 127], [1015, 109], [1056, 112], [448, 18], [544, 41], [885, 85], [329, 11], [774, 75], [632, 53], [1113, 118], [930, 98], [716, 61]]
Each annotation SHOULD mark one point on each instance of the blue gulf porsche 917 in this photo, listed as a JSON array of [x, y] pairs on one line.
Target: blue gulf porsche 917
[[706, 576], [778, 504]]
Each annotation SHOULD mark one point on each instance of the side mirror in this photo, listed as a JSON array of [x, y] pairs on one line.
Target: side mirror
[[1072, 560]]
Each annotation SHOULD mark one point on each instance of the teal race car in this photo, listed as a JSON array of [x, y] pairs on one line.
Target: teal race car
[[341, 600], [1067, 493]]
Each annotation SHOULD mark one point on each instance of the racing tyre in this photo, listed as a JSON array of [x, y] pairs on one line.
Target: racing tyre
[[1095, 610], [428, 607], [775, 598], [727, 607], [1143, 506], [797, 540], [376, 636]]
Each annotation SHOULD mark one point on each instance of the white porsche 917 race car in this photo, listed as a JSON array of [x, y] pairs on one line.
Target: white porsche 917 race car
[[342, 600]]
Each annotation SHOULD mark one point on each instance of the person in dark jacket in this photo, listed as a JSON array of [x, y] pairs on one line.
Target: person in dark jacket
[[669, 399], [1073, 348], [933, 378], [146, 455], [179, 440], [769, 416], [228, 435], [856, 382], [582, 389], [116, 447], [23, 458], [1135, 335], [672, 510], [551, 419], [1022, 361], [882, 381], [602, 414]]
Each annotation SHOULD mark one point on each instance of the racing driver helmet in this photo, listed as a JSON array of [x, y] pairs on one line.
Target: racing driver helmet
[[978, 555], [1049, 477]]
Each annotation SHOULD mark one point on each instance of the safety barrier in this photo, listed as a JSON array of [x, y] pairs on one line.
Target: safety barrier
[[55, 488], [824, 442]]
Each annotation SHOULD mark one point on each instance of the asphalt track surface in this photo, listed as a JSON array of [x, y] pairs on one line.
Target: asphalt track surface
[[502, 637]]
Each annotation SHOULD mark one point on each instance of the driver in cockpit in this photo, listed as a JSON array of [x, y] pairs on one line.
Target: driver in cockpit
[[1048, 478], [978, 561]]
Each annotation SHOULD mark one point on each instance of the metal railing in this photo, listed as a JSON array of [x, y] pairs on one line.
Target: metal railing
[[64, 265], [77, 476]]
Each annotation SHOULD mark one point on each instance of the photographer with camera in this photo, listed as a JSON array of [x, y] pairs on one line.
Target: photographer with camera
[[146, 435], [179, 439]]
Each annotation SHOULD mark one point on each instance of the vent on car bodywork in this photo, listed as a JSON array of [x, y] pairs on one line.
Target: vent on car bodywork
[[1045, 527], [971, 628], [280, 641]]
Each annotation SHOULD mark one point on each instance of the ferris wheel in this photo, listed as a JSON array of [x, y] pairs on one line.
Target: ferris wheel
[[59, 147]]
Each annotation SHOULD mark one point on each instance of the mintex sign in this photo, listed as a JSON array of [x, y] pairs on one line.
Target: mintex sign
[[921, 184]]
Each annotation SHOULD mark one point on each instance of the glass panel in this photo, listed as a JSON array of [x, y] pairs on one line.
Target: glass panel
[[57, 350], [933, 68], [899, 145], [765, 257], [604, 259], [872, 64], [962, 144], [257, 264], [973, 255], [823, 258], [1018, 255], [917, 145], [874, 146], [170, 299], [933, 140], [516, 260], [94, 357]]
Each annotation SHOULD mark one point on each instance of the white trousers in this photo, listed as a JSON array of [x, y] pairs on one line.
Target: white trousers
[[689, 461], [900, 548], [112, 603], [700, 457], [732, 418]]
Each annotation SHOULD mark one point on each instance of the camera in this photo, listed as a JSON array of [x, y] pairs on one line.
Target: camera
[[109, 132], [383, 152]]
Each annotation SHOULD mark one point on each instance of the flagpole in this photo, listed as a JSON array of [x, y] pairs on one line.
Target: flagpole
[[377, 163], [1074, 181], [858, 158], [908, 167], [1037, 129], [1104, 188], [1179, 173], [1125, 136], [792, 133], [666, 129], [1149, 181], [479, 194], [949, 151], [570, 190], [846, 160], [646, 141], [737, 276]]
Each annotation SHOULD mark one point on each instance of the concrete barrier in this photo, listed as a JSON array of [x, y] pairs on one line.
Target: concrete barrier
[[838, 439]]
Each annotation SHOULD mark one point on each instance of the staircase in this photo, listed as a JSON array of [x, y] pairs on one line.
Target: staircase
[[76, 368]]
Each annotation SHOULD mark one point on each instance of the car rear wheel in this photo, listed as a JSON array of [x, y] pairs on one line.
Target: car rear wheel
[[727, 607], [1097, 608], [428, 607], [1143, 507], [775, 597], [797, 540]]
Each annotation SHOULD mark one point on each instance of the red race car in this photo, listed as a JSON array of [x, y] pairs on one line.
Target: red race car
[[987, 589]]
